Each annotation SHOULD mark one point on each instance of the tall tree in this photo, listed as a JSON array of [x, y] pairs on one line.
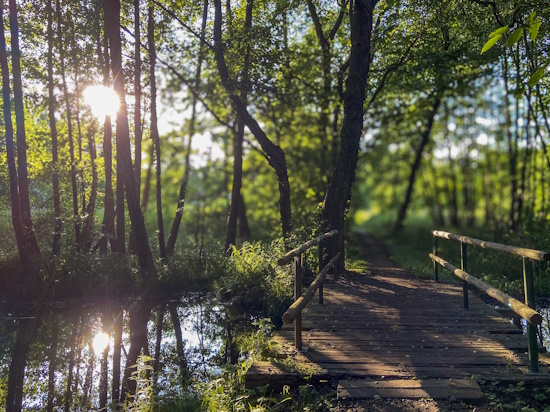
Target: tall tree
[[56, 246], [22, 175], [17, 221], [339, 192], [68, 110], [273, 152], [231, 231], [192, 125], [154, 128]]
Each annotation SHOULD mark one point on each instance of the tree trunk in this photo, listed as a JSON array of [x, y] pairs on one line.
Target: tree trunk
[[137, 102], [104, 364], [52, 364], [56, 244], [244, 229], [86, 237], [338, 195], [107, 226], [158, 340], [23, 181], [69, 124], [22, 245], [85, 401], [416, 164], [273, 152], [148, 177], [179, 342], [124, 155], [231, 230], [155, 138], [183, 188]]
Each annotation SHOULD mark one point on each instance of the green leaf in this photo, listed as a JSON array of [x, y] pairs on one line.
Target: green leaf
[[500, 31], [514, 37], [490, 43], [531, 17], [536, 76], [534, 28]]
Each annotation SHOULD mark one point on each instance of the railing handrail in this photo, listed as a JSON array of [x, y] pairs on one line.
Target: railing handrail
[[514, 250], [301, 249], [530, 315], [296, 308]]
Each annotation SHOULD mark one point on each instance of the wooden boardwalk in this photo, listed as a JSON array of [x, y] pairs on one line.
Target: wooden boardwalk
[[387, 326]]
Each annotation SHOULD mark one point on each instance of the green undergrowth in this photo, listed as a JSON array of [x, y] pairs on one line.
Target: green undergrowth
[[531, 397]]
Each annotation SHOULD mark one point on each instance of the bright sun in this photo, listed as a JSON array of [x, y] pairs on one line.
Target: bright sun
[[100, 342], [102, 100]]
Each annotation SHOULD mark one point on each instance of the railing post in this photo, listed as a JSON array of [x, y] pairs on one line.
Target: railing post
[[321, 298], [297, 294], [436, 265], [529, 287], [464, 267], [334, 243]]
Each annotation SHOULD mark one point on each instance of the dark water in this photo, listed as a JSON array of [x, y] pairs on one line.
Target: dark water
[[67, 350]]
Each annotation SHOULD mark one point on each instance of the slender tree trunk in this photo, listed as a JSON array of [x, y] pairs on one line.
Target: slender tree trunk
[[154, 130], [69, 123], [231, 230], [85, 402], [179, 342], [273, 152], [56, 244], [183, 188], [23, 181], [86, 236], [107, 226], [158, 340], [416, 164], [124, 156], [137, 101], [17, 221], [338, 195]]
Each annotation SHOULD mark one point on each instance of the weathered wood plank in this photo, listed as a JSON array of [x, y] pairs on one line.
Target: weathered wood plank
[[411, 389]]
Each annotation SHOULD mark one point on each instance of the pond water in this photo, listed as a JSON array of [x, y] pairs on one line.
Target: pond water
[[74, 355]]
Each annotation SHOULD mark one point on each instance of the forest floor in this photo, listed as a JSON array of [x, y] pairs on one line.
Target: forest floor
[[498, 397]]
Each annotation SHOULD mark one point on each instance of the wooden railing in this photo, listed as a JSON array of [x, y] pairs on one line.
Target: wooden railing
[[526, 311], [294, 312]]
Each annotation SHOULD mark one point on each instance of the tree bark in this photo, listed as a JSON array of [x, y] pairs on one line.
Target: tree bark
[[23, 181], [72, 347], [17, 221], [143, 251], [56, 244], [275, 155], [107, 226], [231, 230], [104, 368], [68, 110], [337, 197], [183, 188], [154, 130]]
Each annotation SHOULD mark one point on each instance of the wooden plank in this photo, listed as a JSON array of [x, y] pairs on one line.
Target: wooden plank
[[462, 389]]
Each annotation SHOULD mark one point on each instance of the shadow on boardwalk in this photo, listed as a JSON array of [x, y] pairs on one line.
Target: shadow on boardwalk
[[387, 325]]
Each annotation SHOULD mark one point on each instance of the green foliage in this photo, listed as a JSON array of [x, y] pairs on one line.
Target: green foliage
[[254, 284]]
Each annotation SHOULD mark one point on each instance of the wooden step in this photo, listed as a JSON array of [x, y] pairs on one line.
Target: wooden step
[[464, 389]]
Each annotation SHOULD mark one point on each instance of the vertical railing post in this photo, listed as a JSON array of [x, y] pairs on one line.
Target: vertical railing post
[[334, 243], [529, 287], [321, 298], [436, 265], [464, 266], [297, 294]]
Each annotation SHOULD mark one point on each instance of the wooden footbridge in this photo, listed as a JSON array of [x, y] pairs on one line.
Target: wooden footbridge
[[389, 334]]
